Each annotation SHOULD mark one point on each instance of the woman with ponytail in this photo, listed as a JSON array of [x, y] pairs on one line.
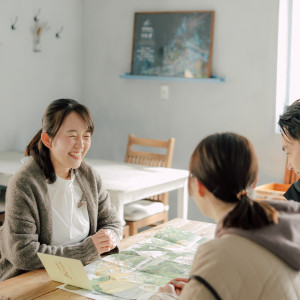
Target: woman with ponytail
[[256, 250], [56, 203]]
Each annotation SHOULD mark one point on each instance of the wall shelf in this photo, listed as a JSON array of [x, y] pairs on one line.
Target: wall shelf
[[165, 78]]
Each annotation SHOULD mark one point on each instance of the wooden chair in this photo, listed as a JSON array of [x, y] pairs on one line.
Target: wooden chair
[[2, 216], [2, 203], [148, 212], [125, 231]]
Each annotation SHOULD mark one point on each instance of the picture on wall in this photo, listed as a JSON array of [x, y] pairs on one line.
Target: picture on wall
[[173, 44]]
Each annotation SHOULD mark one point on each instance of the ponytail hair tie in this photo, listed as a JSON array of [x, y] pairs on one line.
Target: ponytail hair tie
[[241, 193]]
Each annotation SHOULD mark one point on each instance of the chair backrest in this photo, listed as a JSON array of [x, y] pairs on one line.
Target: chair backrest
[[289, 175], [153, 159]]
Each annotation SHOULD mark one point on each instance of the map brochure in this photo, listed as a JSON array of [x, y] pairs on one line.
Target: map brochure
[[138, 271], [66, 270]]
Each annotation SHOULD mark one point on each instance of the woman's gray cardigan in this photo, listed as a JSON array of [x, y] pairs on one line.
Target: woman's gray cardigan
[[28, 222]]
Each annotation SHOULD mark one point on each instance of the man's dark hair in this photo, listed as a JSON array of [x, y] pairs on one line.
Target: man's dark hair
[[289, 121]]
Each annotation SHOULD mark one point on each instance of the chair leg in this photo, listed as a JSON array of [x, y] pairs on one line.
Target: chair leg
[[125, 231], [2, 216], [166, 217], [133, 229], [154, 220]]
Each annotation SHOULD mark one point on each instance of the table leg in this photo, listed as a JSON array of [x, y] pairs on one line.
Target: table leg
[[117, 201], [182, 201]]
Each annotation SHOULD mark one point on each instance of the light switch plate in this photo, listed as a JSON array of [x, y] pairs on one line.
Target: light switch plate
[[164, 92]]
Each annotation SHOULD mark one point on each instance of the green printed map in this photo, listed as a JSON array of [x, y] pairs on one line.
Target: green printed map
[[138, 271]]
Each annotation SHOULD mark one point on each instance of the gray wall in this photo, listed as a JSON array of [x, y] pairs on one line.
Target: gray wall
[[30, 80], [95, 49], [244, 51]]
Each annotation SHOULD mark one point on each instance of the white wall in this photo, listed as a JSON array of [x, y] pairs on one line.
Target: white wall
[[95, 49], [245, 48], [30, 80]]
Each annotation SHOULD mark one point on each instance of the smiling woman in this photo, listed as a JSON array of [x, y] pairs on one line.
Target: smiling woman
[[69, 146], [56, 203], [63, 122]]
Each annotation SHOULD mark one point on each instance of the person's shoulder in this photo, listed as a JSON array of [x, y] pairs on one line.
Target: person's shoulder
[[228, 249], [29, 171], [208, 251], [293, 192], [217, 243], [27, 180], [289, 206], [219, 248], [229, 241], [87, 171], [86, 166], [220, 254]]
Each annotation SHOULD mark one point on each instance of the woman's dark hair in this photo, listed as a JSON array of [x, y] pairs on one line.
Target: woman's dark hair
[[289, 121], [226, 165], [52, 120]]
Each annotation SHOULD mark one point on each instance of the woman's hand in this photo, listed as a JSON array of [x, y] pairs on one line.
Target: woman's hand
[[104, 240], [179, 284], [168, 288], [174, 287]]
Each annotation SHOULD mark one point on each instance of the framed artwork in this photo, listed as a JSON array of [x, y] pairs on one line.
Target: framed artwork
[[173, 44]]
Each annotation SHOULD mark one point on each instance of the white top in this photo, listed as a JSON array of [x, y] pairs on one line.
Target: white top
[[70, 224]]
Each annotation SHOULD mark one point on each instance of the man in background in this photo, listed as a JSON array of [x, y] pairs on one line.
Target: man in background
[[289, 123]]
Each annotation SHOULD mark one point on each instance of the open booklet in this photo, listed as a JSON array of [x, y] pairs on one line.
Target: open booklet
[[136, 272]]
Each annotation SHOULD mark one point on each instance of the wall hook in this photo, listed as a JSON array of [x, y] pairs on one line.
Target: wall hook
[[13, 26], [36, 19], [59, 32]]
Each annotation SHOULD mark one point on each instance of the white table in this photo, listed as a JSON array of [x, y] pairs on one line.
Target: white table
[[128, 182], [125, 182]]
